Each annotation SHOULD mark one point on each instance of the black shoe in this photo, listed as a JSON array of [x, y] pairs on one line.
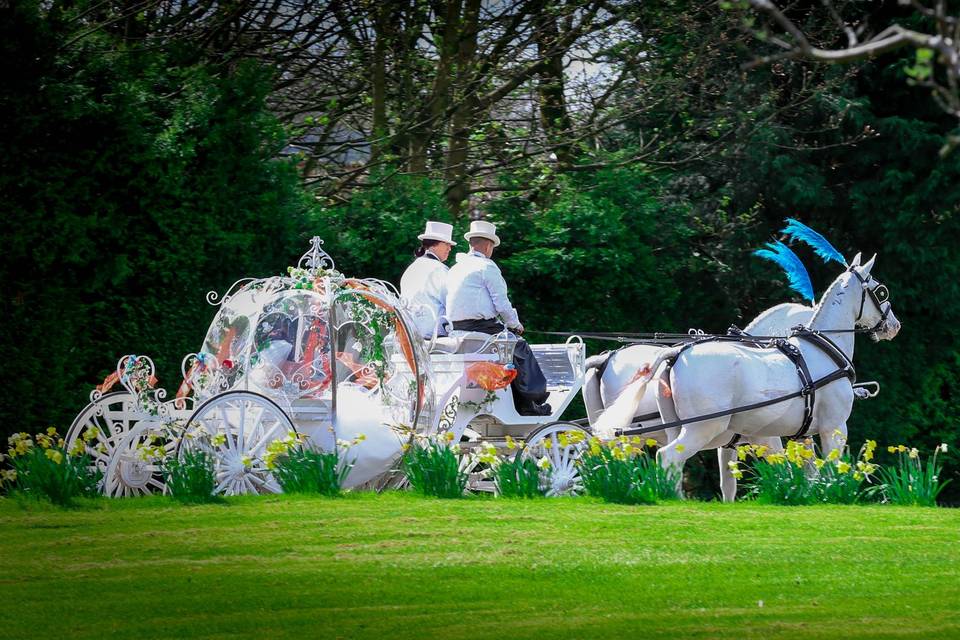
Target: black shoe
[[534, 409]]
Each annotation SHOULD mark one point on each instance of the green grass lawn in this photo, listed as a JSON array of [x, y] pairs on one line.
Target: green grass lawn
[[401, 566]]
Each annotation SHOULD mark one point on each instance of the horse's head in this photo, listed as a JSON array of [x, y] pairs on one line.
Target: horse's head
[[875, 312]]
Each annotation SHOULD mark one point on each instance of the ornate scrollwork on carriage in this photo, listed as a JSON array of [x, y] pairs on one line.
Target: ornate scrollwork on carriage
[[316, 259]]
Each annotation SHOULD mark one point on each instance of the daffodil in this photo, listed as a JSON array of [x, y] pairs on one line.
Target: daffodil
[[54, 455], [10, 475], [914, 454], [543, 463], [761, 450], [818, 463], [548, 444], [219, 440], [736, 473], [511, 443], [834, 455], [857, 475], [51, 431], [680, 448], [891, 449], [651, 442], [246, 461], [843, 467]]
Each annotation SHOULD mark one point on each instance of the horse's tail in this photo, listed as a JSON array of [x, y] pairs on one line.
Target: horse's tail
[[621, 412]]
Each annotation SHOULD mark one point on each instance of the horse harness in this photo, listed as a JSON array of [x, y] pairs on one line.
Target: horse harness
[[809, 385]]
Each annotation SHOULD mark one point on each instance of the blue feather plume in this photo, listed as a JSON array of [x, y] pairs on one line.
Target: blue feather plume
[[796, 230], [797, 274]]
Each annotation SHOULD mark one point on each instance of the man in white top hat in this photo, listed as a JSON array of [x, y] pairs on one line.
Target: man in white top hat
[[424, 283], [477, 300]]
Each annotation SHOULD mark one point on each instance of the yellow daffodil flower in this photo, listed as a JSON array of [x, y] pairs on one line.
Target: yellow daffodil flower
[[834, 455], [51, 431], [543, 463], [818, 463], [650, 442], [680, 448], [511, 443], [843, 467], [891, 449], [54, 455]]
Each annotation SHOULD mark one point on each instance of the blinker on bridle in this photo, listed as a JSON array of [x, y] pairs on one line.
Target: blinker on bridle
[[878, 294]]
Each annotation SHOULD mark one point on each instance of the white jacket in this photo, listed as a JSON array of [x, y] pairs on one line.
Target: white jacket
[[476, 290], [424, 287]]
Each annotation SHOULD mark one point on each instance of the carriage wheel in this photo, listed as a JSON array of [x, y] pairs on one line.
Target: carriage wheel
[[131, 471], [479, 474], [563, 477], [112, 416], [249, 422]]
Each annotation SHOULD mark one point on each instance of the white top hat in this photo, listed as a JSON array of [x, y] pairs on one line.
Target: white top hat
[[483, 229], [438, 231]]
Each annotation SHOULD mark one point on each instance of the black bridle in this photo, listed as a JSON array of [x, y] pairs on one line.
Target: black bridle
[[878, 295]]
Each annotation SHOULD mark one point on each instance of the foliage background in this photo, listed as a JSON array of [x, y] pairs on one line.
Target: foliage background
[[135, 179]]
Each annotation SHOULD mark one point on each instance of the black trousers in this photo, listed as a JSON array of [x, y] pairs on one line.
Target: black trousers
[[530, 385]]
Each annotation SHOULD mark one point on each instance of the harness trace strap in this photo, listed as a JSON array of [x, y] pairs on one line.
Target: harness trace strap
[[807, 391]]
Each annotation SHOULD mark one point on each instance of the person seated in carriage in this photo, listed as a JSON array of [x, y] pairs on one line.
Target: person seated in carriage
[[477, 297], [424, 284]]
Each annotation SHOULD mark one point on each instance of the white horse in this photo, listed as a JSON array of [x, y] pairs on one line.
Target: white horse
[[713, 377], [620, 367]]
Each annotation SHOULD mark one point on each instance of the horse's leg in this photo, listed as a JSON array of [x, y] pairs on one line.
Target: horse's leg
[[693, 438], [833, 438], [728, 484]]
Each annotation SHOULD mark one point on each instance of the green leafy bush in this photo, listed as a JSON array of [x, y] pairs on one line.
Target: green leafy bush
[[911, 481], [624, 472], [432, 465], [190, 478], [518, 476], [306, 469], [45, 469]]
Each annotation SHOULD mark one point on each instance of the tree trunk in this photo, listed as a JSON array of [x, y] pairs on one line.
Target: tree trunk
[[551, 89], [464, 118]]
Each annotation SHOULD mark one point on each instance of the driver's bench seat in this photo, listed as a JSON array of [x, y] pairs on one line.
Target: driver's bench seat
[[462, 342]]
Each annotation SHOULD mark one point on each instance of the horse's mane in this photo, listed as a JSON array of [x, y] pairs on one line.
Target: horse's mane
[[821, 305]]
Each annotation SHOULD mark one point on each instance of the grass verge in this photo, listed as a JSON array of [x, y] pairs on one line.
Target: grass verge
[[404, 566]]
